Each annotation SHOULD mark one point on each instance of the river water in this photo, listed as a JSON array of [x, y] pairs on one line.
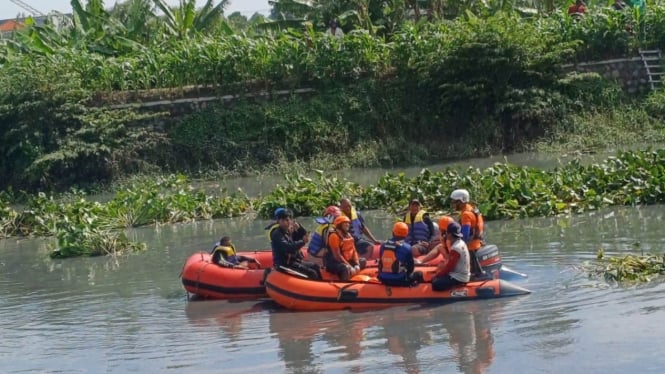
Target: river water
[[131, 314]]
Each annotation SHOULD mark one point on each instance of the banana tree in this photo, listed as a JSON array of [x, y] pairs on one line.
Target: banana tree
[[139, 18], [185, 19]]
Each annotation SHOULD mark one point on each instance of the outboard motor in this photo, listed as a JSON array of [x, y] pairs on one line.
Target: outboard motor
[[489, 260]]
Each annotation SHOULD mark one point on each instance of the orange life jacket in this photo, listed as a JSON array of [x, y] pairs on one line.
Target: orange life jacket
[[477, 226], [348, 247]]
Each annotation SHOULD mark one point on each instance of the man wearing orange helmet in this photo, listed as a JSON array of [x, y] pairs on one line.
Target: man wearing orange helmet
[[342, 257], [318, 242], [396, 263]]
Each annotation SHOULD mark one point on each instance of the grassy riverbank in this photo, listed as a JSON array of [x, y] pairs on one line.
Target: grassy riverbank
[[427, 92]]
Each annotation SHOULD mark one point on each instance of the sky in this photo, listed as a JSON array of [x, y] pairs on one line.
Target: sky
[[9, 10]]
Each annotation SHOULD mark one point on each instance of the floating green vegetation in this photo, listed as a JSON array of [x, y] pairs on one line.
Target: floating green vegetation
[[502, 191], [628, 268], [81, 240]]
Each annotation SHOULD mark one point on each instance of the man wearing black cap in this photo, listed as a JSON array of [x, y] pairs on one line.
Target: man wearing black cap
[[457, 270], [421, 228], [286, 250]]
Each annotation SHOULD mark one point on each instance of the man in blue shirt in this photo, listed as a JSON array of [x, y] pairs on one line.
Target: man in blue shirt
[[396, 263]]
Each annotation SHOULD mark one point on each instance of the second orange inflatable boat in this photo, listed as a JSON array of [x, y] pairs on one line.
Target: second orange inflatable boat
[[297, 293]]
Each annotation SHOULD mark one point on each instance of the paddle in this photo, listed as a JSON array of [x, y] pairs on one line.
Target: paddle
[[292, 272]]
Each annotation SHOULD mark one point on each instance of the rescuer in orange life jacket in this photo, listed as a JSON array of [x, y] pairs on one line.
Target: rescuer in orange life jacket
[[358, 228], [396, 263], [473, 225], [342, 257]]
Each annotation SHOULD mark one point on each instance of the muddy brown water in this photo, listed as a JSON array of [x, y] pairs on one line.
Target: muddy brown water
[[131, 314]]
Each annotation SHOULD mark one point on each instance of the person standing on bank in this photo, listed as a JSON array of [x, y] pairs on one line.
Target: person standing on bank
[[335, 30], [421, 228], [286, 248], [457, 270], [358, 228], [473, 225]]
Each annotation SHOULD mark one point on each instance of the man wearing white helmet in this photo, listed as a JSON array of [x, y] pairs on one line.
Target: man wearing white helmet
[[473, 225]]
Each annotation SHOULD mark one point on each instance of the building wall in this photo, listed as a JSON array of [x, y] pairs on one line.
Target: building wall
[[629, 72]]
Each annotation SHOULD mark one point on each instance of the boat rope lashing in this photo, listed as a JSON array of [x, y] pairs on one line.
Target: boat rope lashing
[[198, 274]]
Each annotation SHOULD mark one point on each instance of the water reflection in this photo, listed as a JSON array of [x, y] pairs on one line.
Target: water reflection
[[458, 332], [403, 339], [295, 341], [225, 315]]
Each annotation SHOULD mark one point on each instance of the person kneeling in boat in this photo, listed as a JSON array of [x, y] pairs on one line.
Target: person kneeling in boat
[[286, 250], [224, 254], [457, 270], [342, 257], [396, 262]]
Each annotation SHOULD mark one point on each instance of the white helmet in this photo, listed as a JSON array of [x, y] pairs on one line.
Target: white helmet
[[461, 195]]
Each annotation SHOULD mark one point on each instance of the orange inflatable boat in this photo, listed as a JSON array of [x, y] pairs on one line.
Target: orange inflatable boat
[[203, 278], [298, 293]]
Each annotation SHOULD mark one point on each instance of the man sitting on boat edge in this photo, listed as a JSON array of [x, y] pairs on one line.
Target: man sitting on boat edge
[[342, 257], [421, 228], [286, 241], [457, 270]]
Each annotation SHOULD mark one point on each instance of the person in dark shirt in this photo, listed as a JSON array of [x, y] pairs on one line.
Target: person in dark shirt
[[286, 242]]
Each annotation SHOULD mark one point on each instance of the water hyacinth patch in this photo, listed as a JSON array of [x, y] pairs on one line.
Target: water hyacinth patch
[[307, 196], [502, 191], [629, 268]]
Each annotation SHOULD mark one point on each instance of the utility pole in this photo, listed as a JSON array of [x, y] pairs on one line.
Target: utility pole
[[27, 7]]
